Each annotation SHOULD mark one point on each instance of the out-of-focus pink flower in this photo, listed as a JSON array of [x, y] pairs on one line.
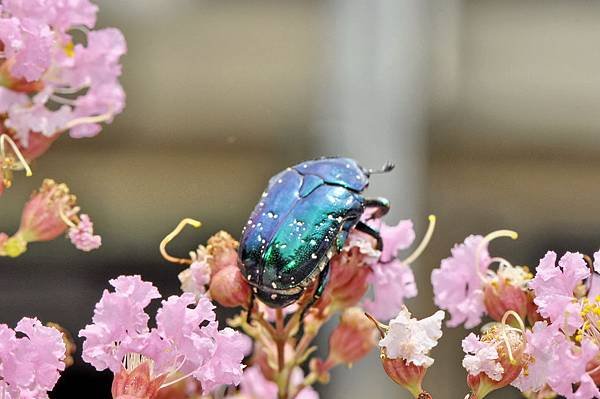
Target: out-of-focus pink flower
[[412, 339], [82, 235], [396, 238], [254, 385], [70, 86], [457, 284], [31, 364], [554, 287], [186, 338], [47, 215], [392, 283]]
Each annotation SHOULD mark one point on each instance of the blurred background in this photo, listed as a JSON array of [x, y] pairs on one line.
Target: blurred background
[[490, 110]]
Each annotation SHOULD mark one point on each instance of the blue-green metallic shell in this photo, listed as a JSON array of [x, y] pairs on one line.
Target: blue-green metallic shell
[[302, 219]]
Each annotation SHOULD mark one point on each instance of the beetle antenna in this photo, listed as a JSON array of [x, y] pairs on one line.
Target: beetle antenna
[[172, 235], [388, 166]]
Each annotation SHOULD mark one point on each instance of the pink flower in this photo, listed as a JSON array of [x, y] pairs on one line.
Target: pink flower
[[254, 385], [31, 364], [395, 239], [411, 339], [554, 288], [186, 338], [573, 361], [458, 283], [392, 282], [195, 279], [41, 59], [481, 357], [541, 350], [82, 235]]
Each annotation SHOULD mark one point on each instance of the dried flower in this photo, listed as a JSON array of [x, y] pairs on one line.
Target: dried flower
[[47, 215], [353, 338]]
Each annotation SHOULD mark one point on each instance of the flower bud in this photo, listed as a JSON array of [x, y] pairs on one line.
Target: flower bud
[[500, 297], [137, 383], [229, 288], [507, 291], [222, 251], [353, 338], [495, 360]]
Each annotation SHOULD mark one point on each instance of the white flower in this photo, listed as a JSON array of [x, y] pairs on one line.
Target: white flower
[[412, 339], [481, 357]]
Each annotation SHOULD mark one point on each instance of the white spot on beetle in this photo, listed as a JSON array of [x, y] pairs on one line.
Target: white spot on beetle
[[273, 296], [313, 242], [273, 285], [313, 256]]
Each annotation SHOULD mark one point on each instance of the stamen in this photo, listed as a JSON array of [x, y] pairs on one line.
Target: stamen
[[175, 381], [62, 100], [424, 242], [163, 244], [64, 217], [516, 316], [486, 240], [4, 138], [88, 119]]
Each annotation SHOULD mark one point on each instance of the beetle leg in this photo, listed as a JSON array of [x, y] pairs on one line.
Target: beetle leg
[[250, 307], [365, 228], [321, 283], [381, 204]]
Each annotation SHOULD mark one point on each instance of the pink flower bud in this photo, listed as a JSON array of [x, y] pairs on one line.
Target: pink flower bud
[[137, 383], [229, 288], [222, 251], [82, 235], [353, 338], [500, 296]]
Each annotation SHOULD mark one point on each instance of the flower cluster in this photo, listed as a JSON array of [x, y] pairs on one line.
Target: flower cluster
[[50, 212], [186, 340], [56, 73], [30, 362], [214, 270], [558, 352]]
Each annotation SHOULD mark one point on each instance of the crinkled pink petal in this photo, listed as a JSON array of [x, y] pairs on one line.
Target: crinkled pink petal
[[392, 282], [482, 358], [82, 235], [396, 238], [225, 366], [573, 362], [457, 284], [553, 286], [34, 58], [254, 385]]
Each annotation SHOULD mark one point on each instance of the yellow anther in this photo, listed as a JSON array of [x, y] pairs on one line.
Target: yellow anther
[[70, 49]]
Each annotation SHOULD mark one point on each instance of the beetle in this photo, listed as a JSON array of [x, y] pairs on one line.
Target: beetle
[[302, 220]]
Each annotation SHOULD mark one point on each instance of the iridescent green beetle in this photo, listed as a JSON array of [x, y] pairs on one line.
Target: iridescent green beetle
[[301, 221]]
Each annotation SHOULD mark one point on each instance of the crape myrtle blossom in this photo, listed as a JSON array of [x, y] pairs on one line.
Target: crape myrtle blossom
[[50, 212], [564, 349], [56, 74], [31, 359], [495, 359], [468, 289], [405, 346], [186, 340]]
